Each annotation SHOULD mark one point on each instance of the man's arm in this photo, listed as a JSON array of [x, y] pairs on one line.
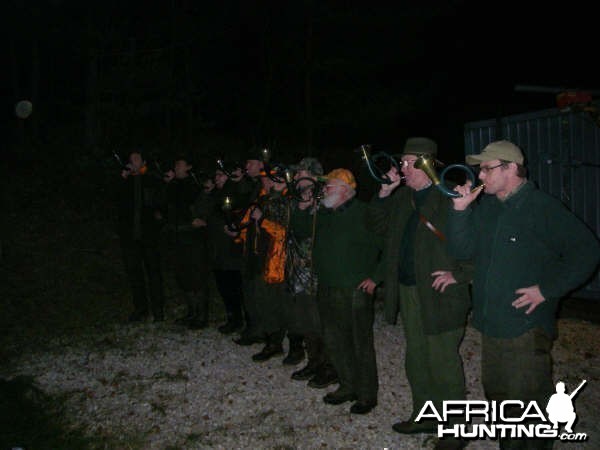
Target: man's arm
[[460, 228], [577, 250], [381, 205]]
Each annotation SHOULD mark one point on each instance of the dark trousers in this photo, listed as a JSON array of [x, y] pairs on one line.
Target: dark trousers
[[190, 264], [229, 285], [142, 261], [263, 310], [433, 364], [518, 369], [347, 317], [303, 320]]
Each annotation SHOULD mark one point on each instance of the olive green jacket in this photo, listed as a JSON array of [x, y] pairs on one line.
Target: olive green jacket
[[388, 217]]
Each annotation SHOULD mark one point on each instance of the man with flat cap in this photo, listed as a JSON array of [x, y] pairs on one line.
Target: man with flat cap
[[422, 282], [345, 257], [529, 251]]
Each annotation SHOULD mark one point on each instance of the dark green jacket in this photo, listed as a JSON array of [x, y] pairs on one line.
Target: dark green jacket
[[182, 196], [389, 217], [139, 199], [225, 252], [529, 239], [345, 252]]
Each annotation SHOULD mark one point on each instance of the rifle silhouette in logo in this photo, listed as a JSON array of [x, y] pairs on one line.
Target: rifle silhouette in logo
[[560, 407]]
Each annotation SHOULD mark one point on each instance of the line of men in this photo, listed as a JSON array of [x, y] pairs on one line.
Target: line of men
[[307, 267]]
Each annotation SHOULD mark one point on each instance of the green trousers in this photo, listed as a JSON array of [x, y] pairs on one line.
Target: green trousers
[[519, 369], [432, 362], [347, 317]]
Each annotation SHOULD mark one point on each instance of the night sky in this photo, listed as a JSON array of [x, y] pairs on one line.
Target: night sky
[[332, 74]]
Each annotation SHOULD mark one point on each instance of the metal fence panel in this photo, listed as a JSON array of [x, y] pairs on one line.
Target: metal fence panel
[[562, 154]]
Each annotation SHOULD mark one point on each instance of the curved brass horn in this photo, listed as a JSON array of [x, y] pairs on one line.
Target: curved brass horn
[[307, 189], [427, 164], [377, 174]]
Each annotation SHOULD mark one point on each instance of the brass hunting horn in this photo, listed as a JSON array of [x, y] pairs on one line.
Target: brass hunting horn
[[376, 173], [427, 164]]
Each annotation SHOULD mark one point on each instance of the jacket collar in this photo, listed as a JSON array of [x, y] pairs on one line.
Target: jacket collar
[[518, 195]]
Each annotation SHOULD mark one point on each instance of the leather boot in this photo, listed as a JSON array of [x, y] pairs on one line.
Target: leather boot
[[247, 339], [189, 315], [325, 376], [137, 316], [190, 310], [315, 356], [272, 348], [296, 351], [268, 352], [306, 373], [200, 318], [232, 325]]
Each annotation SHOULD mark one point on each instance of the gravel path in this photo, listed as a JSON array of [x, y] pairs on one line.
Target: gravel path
[[158, 386]]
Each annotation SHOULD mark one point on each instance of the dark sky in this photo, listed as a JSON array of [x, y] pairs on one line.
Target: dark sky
[[378, 71]]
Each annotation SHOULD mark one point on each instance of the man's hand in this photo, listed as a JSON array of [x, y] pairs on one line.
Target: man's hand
[[530, 296], [386, 189], [367, 285], [197, 223], [467, 196], [442, 279], [125, 173], [229, 232]]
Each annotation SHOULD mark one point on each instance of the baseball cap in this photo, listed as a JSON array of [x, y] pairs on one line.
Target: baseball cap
[[343, 175], [503, 150]]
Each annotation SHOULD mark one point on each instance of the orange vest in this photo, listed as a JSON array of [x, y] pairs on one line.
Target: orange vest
[[274, 268]]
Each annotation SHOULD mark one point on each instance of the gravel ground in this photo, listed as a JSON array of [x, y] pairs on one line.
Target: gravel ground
[[165, 387]]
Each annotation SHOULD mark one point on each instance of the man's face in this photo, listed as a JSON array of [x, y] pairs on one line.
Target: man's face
[[237, 174], [182, 168], [302, 173], [495, 176], [266, 183], [220, 178], [208, 185], [303, 184], [136, 162], [253, 167], [414, 178], [335, 194]]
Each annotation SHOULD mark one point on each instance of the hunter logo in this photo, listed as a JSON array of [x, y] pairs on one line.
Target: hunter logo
[[560, 407], [528, 423]]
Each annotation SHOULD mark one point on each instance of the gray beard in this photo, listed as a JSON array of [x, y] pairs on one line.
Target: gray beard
[[330, 200]]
